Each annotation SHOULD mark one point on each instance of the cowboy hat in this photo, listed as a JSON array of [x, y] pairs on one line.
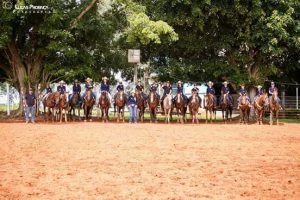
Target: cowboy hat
[[89, 79], [179, 82], [272, 83], [104, 78], [210, 83], [132, 91], [259, 86], [242, 84], [225, 82], [139, 80], [61, 82]]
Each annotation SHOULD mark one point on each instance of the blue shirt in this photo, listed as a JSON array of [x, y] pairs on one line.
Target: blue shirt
[[131, 100], [61, 89], [259, 92], [76, 88], [225, 90], [153, 88], [167, 89], [120, 87], [243, 91], [179, 89], [48, 90], [210, 90], [104, 87], [30, 100]]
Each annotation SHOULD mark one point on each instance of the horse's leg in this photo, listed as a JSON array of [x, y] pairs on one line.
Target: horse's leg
[[271, 120], [206, 112], [277, 119], [123, 114], [90, 113], [118, 114]]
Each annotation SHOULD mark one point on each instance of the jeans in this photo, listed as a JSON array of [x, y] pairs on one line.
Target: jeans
[[132, 113], [30, 110]]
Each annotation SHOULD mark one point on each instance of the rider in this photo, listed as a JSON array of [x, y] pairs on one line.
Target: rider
[[120, 88], [225, 90], [76, 89], [139, 87], [242, 92], [61, 88], [89, 86], [211, 90], [48, 90], [259, 92], [272, 89], [180, 91], [167, 90], [104, 87], [153, 88]]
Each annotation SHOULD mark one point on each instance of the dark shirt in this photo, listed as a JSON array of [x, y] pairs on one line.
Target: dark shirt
[[195, 89], [104, 87], [48, 90], [131, 100], [167, 89], [271, 90], [153, 88], [259, 92], [61, 89], [225, 90], [139, 87], [243, 91], [179, 89], [120, 87], [89, 86], [30, 100], [76, 88], [210, 90]]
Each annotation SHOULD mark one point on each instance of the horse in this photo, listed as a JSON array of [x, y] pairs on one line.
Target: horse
[[120, 103], [194, 106], [104, 105], [180, 106], [245, 108], [227, 108], [88, 104], [209, 107], [74, 104], [167, 107], [274, 108], [63, 107], [153, 102], [51, 102], [140, 104], [259, 106]]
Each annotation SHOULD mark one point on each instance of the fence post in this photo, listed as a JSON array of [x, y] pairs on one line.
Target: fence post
[[283, 96], [7, 95], [297, 98]]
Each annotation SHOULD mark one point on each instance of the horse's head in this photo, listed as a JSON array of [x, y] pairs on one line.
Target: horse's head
[[56, 98], [275, 95]]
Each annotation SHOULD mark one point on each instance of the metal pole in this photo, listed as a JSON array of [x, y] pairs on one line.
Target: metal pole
[[283, 96], [135, 73], [297, 98], [7, 94]]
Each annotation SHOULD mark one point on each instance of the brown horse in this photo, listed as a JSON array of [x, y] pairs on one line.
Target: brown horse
[[209, 107], [274, 108], [194, 106], [153, 102], [104, 106], [74, 104], [245, 108], [167, 107], [180, 106], [88, 104], [227, 108], [259, 106], [51, 102], [140, 104], [63, 107], [120, 103]]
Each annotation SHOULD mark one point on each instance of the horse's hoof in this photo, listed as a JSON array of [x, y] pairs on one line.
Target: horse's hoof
[[84, 120]]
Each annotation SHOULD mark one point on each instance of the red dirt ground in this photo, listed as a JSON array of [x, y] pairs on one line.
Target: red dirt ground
[[149, 161]]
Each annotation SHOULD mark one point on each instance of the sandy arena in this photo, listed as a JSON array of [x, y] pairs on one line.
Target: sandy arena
[[149, 161]]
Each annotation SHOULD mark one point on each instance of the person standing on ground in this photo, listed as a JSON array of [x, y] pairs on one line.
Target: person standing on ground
[[30, 101]]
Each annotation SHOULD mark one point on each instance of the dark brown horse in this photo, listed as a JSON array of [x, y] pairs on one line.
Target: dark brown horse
[[141, 104], [245, 108], [227, 108], [104, 106], [180, 107], [209, 107], [51, 102], [120, 103], [274, 108], [194, 106], [259, 106], [74, 104], [63, 107], [153, 102], [88, 104]]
